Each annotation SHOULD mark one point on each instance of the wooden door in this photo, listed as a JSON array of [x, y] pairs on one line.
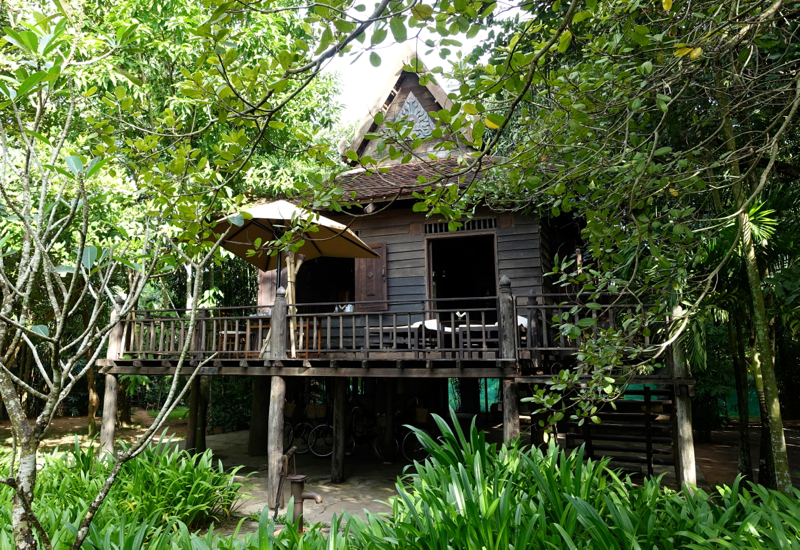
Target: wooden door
[[371, 280]]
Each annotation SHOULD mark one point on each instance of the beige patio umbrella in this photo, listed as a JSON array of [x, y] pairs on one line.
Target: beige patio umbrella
[[268, 222]]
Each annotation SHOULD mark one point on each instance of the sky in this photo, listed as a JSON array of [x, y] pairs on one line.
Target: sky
[[361, 82]]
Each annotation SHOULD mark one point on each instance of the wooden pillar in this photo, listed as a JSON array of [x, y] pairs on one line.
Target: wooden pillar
[[277, 344], [470, 390], [683, 439], [202, 414], [259, 417], [114, 351], [339, 429], [190, 444], [510, 410], [388, 434], [277, 397], [508, 321], [109, 415]]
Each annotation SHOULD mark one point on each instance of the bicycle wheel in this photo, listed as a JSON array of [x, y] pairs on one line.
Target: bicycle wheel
[[359, 423], [381, 450], [287, 436], [413, 449], [300, 436], [320, 440], [349, 444]]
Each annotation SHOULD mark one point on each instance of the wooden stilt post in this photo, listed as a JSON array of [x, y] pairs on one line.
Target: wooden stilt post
[[109, 415], [339, 403], [277, 345], [202, 414], [510, 410], [389, 447], [683, 440], [190, 444], [259, 417], [508, 350], [508, 321], [277, 398]]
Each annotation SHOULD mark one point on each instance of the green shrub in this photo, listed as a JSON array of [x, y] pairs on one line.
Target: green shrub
[[468, 494], [160, 489], [472, 495]]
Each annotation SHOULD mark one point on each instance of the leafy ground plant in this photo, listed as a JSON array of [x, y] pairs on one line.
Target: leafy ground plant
[[467, 494], [160, 488]]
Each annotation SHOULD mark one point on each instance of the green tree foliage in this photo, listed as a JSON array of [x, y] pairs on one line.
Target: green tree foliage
[[661, 125]]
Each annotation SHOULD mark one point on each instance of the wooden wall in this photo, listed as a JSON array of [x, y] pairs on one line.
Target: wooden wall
[[405, 268], [518, 250], [519, 254]]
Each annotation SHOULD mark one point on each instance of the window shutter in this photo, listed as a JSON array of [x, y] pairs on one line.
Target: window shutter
[[266, 286], [371, 277]]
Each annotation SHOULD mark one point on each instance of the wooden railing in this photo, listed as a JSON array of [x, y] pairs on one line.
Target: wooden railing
[[161, 334], [480, 328], [542, 319], [413, 329]]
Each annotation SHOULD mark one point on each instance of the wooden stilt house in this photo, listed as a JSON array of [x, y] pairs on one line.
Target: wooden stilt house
[[439, 304]]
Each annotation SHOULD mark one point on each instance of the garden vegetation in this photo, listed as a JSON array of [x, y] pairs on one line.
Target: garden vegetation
[[467, 494]]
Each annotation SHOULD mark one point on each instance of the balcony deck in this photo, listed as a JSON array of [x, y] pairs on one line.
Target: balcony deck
[[422, 338]]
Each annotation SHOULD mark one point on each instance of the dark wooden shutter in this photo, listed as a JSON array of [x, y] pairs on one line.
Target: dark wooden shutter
[[371, 280], [266, 286]]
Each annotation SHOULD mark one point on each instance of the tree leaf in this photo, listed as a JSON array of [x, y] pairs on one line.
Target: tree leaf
[[378, 36], [564, 41], [94, 166], [74, 164], [422, 12], [41, 330], [374, 59], [89, 256], [398, 29], [494, 121], [580, 16], [478, 130], [666, 4]]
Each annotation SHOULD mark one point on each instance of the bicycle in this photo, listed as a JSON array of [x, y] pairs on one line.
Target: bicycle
[[288, 435], [360, 430], [302, 430], [413, 449]]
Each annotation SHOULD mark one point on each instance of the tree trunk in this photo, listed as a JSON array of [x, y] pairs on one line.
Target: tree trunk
[[743, 399], [22, 525], [190, 444], [766, 475], [202, 414], [94, 404], [124, 411], [21, 522], [781, 478], [94, 399]]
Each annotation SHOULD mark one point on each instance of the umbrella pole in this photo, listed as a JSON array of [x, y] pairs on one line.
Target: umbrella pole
[[293, 264], [278, 273], [291, 276]]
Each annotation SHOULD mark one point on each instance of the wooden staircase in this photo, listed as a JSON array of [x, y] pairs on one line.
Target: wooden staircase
[[639, 431]]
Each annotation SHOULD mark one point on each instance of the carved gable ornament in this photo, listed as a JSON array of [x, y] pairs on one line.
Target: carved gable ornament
[[413, 111]]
